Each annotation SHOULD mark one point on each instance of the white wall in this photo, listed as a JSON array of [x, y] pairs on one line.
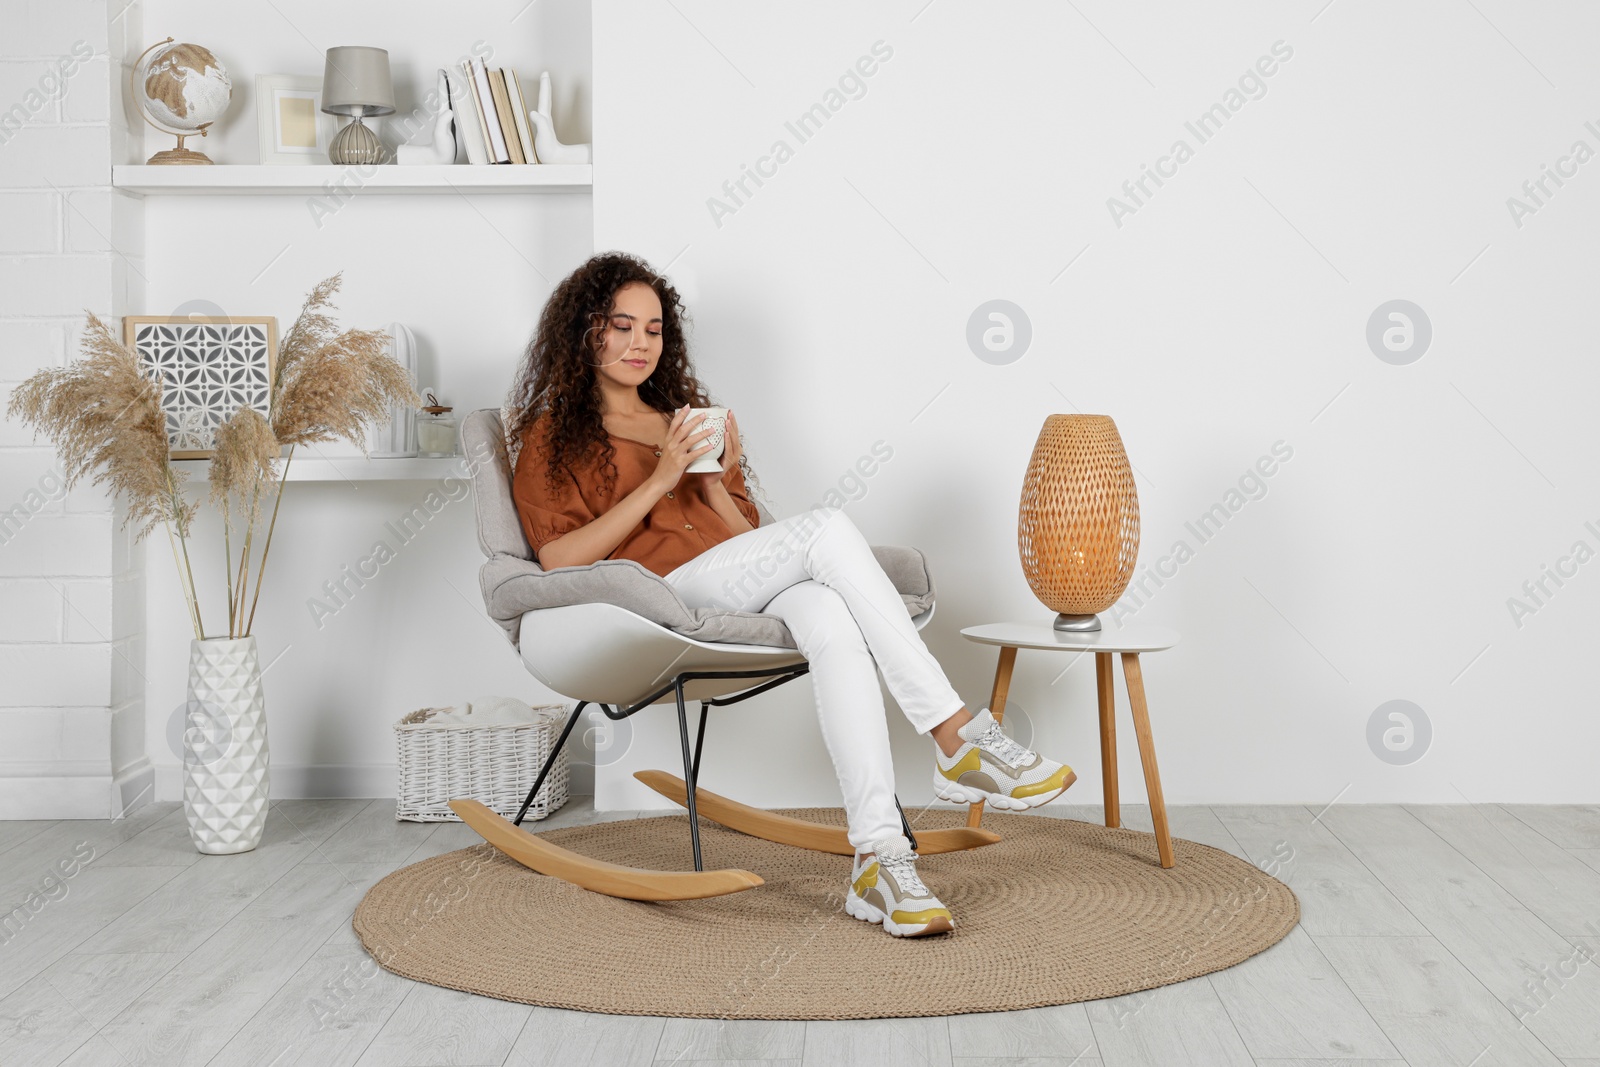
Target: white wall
[[831, 307], [71, 580], [1227, 313]]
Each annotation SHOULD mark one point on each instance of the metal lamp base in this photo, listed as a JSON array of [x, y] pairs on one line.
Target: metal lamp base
[[1076, 623]]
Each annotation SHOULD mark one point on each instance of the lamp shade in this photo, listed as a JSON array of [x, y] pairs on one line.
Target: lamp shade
[[1078, 522], [355, 81]]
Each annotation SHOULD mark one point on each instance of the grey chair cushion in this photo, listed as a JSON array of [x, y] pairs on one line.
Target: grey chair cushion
[[512, 581]]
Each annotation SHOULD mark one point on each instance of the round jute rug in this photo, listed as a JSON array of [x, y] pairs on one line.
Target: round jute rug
[[1058, 911]]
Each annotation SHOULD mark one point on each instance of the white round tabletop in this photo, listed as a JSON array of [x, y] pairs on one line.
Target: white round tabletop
[[1040, 634]]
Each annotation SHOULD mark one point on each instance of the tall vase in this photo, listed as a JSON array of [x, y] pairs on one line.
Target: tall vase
[[225, 758], [398, 436], [1078, 522]]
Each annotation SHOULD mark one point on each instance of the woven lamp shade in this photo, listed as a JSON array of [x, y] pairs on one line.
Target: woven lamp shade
[[1078, 523]]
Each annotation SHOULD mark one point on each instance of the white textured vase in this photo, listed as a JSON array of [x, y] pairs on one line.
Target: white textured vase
[[398, 436], [225, 746]]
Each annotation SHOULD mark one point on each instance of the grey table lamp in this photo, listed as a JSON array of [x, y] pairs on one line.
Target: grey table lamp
[[356, 82]]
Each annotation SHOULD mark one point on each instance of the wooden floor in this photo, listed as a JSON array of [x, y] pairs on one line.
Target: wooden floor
[[1429, 935]]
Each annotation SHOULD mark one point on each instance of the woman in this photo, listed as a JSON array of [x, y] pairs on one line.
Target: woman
[[601, 411]]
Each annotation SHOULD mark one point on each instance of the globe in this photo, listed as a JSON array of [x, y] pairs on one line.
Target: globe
[[181, 89]]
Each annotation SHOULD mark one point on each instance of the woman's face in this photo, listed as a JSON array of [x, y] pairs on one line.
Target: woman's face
[[630, 338]]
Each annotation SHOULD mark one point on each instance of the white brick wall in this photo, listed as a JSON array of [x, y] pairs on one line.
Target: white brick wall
[[71, 581], [45, 29], [29, 222]]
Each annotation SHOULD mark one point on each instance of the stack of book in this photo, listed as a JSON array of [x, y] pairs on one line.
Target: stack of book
[[492, 117]]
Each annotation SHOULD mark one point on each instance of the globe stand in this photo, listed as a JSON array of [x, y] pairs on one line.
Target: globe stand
[[181, 156]]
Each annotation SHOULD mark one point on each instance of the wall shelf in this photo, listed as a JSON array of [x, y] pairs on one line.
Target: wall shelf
[[349, 469], [240, 179]]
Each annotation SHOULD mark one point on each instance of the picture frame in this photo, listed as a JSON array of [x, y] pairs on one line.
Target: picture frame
[[291, 126], [208, 367]]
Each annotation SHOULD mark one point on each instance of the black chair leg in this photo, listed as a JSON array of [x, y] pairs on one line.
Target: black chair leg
[[699, 740], [689, 772], [550, 761], [904, 825]]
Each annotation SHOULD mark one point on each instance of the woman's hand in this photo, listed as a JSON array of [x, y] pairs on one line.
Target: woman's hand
[[684, 443], [730, 456]]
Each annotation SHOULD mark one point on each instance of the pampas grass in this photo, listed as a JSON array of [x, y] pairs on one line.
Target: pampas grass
[[331, 384], [243, 462], [104, 416], [327, 384]]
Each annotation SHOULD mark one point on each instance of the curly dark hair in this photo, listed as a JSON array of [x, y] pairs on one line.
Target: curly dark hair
[[558, 379]]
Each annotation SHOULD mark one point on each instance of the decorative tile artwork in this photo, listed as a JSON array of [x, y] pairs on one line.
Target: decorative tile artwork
[[208, 368]]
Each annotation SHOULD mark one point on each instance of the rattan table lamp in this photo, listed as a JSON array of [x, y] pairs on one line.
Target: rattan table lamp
[[1078, 524]]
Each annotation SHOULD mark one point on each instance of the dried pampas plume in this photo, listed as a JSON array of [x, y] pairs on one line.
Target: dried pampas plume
[[243, 462], [104, 415], [330, 384]]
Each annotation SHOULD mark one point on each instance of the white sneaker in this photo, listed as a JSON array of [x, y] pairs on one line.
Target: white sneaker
[[993, 768], [885, 889]]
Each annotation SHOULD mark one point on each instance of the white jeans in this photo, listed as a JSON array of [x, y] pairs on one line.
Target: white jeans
[[816, 572]]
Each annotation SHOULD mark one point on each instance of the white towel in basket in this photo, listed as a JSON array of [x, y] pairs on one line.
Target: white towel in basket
[[488, 711]]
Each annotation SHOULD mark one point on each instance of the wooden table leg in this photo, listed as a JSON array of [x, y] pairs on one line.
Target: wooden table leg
[[997, 708], [1134, 678], [1105, 687]]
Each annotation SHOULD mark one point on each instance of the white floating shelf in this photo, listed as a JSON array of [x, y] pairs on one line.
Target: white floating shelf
[[240, 179], [350, 469]]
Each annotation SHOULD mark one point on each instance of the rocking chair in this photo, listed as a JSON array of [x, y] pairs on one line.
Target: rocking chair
[[608, 634]]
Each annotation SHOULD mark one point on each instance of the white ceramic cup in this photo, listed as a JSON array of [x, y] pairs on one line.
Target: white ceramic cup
[[716, 420]]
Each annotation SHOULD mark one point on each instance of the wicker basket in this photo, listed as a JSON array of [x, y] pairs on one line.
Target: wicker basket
[[493, 762]]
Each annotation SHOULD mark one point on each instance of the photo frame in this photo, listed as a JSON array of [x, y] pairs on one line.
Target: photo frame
[[208, 368], [290, 124]]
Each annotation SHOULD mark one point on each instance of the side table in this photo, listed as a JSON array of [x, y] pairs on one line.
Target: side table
[[1129, 642]]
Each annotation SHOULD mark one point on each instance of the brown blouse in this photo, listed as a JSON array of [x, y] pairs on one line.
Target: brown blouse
[[679, 526]]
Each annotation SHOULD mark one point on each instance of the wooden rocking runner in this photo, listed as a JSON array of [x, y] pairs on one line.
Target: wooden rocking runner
[[637, 883]]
